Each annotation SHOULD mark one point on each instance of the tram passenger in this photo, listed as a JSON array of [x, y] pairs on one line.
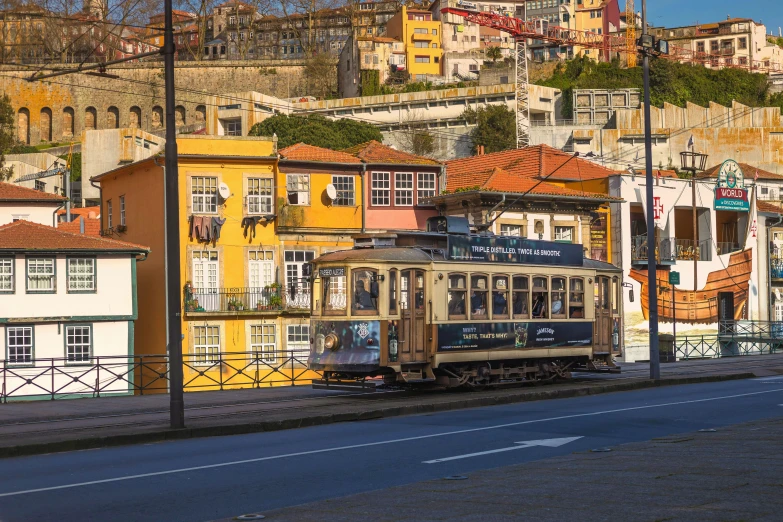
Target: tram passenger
[[363, 297], [539, 307], [519, 303], [456, 303], [499, 304], [478, 299]]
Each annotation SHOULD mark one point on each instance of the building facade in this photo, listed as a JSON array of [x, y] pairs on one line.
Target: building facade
[[421, 35]]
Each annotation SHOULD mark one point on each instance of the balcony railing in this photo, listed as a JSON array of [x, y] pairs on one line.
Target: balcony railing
[[232, 299], [776, 269], [727, 247], [686, 250], [664, 250]]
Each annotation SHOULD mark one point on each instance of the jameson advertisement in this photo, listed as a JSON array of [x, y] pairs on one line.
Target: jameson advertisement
[[513, 336], [514, 250]]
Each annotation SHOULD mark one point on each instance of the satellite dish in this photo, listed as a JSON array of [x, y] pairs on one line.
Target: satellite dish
[[331, 192], [224, 191], [539, 227]]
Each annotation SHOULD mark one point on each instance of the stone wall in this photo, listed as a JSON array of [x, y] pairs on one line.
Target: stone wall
[[59, 108]]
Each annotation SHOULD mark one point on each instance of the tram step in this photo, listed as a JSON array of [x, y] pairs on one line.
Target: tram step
[[323, 384]]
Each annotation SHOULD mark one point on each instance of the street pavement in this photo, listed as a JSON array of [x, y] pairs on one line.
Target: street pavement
[[214, 478]]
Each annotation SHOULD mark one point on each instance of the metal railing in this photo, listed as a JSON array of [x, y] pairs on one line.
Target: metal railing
[[57, 378], [665, 249], [734, 338], [685, 249], [246, 300], [776, 268]]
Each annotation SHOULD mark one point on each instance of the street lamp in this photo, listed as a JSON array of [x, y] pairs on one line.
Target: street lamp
[[692, 162]]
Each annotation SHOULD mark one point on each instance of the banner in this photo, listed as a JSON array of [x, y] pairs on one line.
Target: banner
[[501, 249], [514, 336], [731, 199]]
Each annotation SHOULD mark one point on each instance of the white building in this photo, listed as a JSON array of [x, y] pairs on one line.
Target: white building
[[18, 203], [38, 170], [69, 303]]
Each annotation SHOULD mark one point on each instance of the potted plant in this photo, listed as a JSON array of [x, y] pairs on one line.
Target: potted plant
[[235, 304], [275, 301], [191, 305]]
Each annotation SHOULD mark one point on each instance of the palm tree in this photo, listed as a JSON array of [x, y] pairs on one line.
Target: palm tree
[[494, 53]]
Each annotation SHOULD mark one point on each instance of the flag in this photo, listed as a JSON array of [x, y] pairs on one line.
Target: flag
[[756, 177], [690, 142], [752, 228]]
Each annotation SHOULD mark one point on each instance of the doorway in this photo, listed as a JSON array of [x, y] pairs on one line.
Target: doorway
[[412, 316], [602, 337]]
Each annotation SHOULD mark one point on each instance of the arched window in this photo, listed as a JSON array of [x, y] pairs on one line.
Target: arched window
[[90, 118], [135, 117], [68, 117], [179, 116], [113, 118], [157, 117], [23, 126], [478, 296], [201, 113], [45, 124]]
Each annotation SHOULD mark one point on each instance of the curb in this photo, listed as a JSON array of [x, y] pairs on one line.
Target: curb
[[371, 414]]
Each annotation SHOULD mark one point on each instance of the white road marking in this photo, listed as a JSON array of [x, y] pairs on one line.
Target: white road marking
[[550, 443], [379, 443]]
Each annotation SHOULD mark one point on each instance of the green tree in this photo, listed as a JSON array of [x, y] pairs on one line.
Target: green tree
[[494, 53], [495, 128], [7, 137], [316, 130]]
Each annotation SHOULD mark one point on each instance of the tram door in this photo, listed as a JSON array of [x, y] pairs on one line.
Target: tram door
[[602, 337], [412, 313]]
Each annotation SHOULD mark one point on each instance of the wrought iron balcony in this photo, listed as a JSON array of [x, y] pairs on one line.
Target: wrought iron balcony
[[686, 250], [664, 250], [270, 299]]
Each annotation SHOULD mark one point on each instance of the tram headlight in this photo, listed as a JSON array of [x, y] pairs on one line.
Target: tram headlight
[[331, 341]]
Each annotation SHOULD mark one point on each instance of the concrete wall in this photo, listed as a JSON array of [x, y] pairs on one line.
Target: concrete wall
[[73, 100]]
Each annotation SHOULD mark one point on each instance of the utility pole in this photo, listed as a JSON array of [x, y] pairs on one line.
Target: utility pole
[[652, 267], [174, 310]]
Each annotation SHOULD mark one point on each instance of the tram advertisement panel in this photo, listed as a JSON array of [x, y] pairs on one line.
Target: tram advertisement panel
[[513, 336], [514, 250]]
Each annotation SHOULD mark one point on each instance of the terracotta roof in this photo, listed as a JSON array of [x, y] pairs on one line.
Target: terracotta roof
[[304, 152], [82, 211], [540, 161], [665, 174], [499, 180], [769, 208], [24, 235], [374, 152], [748, 170], [11, 192], [92, 227]]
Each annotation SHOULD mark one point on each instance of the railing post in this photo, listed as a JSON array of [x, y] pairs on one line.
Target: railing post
[[98, 376], [220, 369], [52, 370], [291, 355], [141, 374]]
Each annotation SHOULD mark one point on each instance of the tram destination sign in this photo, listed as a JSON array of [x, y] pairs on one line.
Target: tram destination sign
[[513, 250], [514, 336]]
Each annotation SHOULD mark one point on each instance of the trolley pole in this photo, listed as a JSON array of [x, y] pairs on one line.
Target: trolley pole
[[652, 267], [174, 311]]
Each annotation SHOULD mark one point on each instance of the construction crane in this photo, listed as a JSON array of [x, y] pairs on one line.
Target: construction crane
[[630, 32], [523, 30]]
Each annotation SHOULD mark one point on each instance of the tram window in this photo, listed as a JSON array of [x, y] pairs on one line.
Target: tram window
[[521, 297], [419, 295], [404, 286], [335, 296], [365, 291], [478, 296], [500, 297], [615, 295], [604, 301], [393, 292], [576, 298], [558, 297], [540, 298], [457, 291]]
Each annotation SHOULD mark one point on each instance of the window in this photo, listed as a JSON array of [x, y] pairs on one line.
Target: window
[[714, 46], [262, 342], [421, 45], [392, 292], [540, 298], [576, 299], [435, 32], [558, 298], [40, 274], [78, 343], [478, 296], [109, 216], [81, 275], [500, 297], [700, 47], [345, 191], [743, 43], [299, 342], [203, 192], [365, 291], [511, 230], [232, 127], [6, 275], [420, 30], [298, 188], [335, 296], [426, 187], [122, 211], [19, 342], [40, 185], [205, 279], [381, 189], [564, 234], [457, 294], [298, 287], [521, 297], [743, 60], [403, 189], [206, 344], [728, 61], [422, 59], [261, 269], [259, 196]]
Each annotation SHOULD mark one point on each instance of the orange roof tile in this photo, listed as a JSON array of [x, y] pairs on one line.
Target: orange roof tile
[[769, 208], [540, 161], [748, 170], [499, 180], [92, 227], [26, 236], [304, 152], [11, 192], [375, 152]]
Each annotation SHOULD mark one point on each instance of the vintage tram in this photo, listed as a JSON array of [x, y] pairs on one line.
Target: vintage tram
[[456, 308]]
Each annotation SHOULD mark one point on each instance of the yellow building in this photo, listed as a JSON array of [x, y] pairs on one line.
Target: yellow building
[[600, 17], [246, 229], [422, 38]]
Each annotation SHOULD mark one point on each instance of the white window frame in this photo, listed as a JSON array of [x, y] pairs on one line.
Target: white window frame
[[294, 259], [519, 228], [346, 190], [299, 185], [75, 350], [109, 216], [403, 189], [380, 189], [232, 127], [558, 233], [41, 263], [206, 278], [122, 210], [260, 344], [298, 342], [203, 194], [28, 348], [259, 196], [426, 186], [206, 353], [7, 273], [81, 274]]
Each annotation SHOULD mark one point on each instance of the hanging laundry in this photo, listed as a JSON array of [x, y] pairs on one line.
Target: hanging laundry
[[250, 223], [215, 226]]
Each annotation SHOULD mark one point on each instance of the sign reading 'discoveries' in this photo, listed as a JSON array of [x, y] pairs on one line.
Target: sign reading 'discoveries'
[[731, 199], [513, 250], [513, 336]]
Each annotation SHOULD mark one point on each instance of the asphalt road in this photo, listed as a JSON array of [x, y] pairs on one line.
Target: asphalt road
[[205, 479]]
